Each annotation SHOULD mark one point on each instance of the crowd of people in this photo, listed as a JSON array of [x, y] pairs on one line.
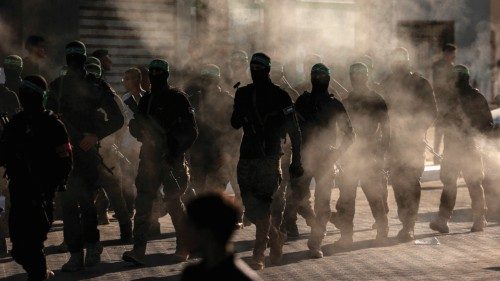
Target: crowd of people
[[73, 148]]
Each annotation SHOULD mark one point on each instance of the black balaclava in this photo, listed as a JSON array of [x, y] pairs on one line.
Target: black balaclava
[[320, 78], [261, 67], [76, 55], [158, 74], [13, 66], [31, 93]]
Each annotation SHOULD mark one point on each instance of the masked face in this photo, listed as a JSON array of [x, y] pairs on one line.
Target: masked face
[[75, 61], [30, 100], [320, 82], [259, 73], [400, 67], [158, 77], [358, 80]]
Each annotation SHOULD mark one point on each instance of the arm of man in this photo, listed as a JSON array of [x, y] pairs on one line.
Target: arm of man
[[238, 116], [385, 127], [293, 131], [428, 107], [114, 115], [185, 131], [63, 153], [345, 128]]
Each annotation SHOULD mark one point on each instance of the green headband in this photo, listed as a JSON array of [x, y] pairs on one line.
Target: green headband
[[320, 68], [461, 69], [159, 64], [258, 59], [32, 86], [13, 61], [358, 68], [76, 50], [93, 60], [211, 70]]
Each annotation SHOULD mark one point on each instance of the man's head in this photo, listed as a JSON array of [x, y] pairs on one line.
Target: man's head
[[104, 58], [400, 61], [35, 45], [132, 79], [459, 76], [260, 66], [320, 77], [32, 92], [449, 52], [76, 55], [13, 66], [159, 72], [210, 74], [239, 60], [212, 218], [358, 73], [93, 65]]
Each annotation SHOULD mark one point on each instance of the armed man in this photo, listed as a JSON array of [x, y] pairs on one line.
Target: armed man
[[9, 105], [212, 151], [470, 121], [323, 121], [35, 150], [412, 110], [81, 103], [266, 114], [13, 67], [363, 163], [441, 70], [165, 125]]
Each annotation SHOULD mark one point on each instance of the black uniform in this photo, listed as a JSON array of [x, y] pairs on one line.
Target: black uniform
[[211, 151], [364, 161], [165, 125], [78, 99], [36, 153], [9, 103], [321, 119], [440, 72], [471, 119], [412, 110]]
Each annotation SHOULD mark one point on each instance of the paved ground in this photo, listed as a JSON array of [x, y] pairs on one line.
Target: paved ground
[[461, 255]]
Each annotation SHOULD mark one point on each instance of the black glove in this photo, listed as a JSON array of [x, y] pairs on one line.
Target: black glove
[[296, 170]]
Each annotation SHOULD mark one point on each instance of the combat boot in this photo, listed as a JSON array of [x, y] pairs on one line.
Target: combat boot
[[405, 235], [126, 232], [93, 255], [345, 241], [260, 246], [439, 224], [49, 274], [314, 248], [335, 219], [181, 254], [479, 223], [276, 241], [136, 255], [75, 262]]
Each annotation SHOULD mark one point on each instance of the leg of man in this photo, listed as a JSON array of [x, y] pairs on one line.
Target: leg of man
[[322, 197], [473, 175], [102, 206], [259, 179], [29, 226], [372, 185], [175, 182], [348, 185], [111, 184], [297, 201], [147, 182], [450, 170]]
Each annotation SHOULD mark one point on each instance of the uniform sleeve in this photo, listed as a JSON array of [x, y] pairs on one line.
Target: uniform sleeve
[[428, 108], [115, 119], [238, 116], [13, 104], [136, 125], [484, 120], [292, 128], [185, 131], [345, 127]]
